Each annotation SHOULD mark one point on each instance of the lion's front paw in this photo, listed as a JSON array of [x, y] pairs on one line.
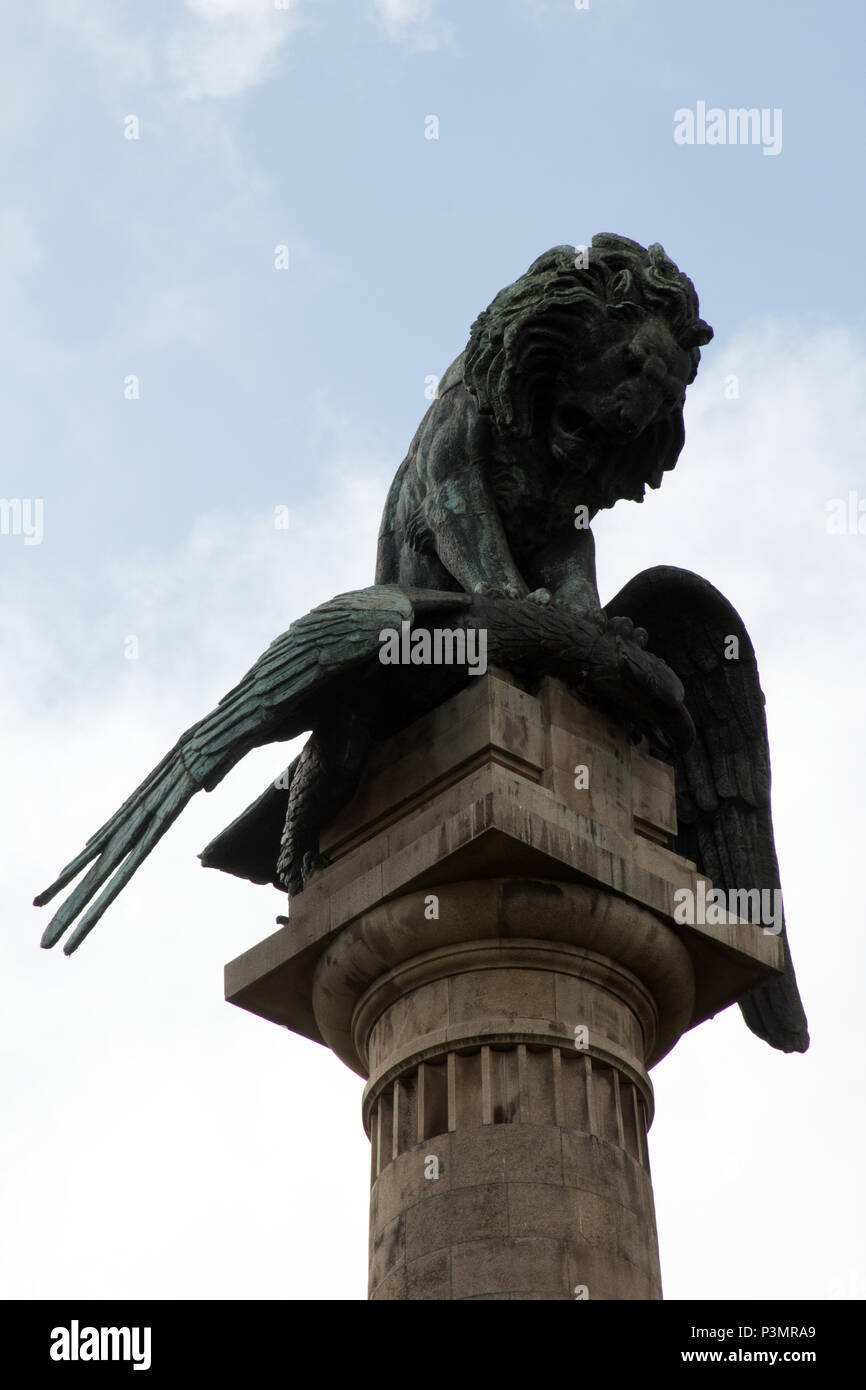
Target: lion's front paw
[[498, 591], [624, 627], [541, 596]]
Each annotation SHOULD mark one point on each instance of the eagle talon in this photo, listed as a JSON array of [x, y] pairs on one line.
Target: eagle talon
[[312, 863]]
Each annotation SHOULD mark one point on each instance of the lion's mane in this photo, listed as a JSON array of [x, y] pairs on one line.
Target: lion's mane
[[519, 344]]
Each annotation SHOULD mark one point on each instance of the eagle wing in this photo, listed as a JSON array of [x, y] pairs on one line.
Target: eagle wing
[[723, 779], [275, 701]]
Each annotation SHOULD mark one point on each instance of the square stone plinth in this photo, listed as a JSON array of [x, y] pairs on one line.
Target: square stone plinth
[[499, 782]]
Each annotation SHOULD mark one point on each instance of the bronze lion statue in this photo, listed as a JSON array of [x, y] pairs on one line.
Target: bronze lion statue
[[568, 397]]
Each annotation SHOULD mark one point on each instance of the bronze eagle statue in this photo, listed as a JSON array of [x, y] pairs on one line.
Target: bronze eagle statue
[[568, 397]]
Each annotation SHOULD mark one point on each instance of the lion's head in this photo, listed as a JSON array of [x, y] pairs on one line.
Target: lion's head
[[592, 361]]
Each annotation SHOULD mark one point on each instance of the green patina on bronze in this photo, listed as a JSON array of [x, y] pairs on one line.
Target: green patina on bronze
[[568, 397]]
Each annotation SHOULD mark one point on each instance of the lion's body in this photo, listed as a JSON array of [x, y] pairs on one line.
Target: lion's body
[[471, 508], [568, 396]]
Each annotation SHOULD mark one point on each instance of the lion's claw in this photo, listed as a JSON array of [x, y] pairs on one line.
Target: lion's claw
[[624, 627], [498, 591]]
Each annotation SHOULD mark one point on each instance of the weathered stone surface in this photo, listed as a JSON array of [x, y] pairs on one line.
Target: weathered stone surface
[[538, 1209], [498, 820], [509, 1264], [442, 1220], [429, 1277], [387, 1249], [592, 1164], [512, 1153]]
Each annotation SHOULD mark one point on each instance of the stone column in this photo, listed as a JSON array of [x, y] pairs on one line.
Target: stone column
[[494, 948]]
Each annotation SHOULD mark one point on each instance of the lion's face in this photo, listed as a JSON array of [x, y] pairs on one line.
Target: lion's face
[[617, 415]]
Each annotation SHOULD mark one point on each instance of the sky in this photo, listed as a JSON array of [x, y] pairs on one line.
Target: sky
[[231, 257]]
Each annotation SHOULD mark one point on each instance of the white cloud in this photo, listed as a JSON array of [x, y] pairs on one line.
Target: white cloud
[[20, 253], [219, 48], [228, 46], [413, 23], [19, 247], [124, 52]]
